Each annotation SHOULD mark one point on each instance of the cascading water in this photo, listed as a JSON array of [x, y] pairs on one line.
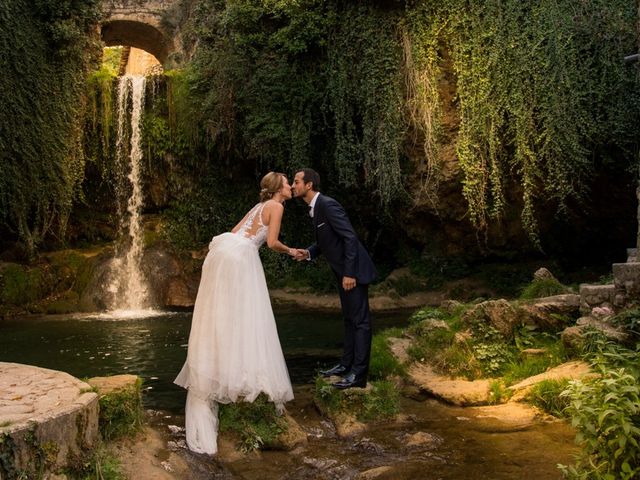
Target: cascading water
[[128, 288]]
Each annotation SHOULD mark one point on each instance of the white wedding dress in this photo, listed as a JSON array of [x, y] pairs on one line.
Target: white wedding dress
[[234, 351]]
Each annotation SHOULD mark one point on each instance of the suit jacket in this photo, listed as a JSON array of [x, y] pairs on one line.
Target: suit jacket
[[337, 240]]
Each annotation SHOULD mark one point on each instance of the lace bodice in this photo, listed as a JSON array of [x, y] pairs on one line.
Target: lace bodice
[[253, 228]]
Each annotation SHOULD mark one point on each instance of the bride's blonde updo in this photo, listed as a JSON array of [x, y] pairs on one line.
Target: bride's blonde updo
[[270, 184]]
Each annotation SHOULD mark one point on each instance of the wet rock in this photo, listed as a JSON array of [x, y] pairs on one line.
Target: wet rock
[[508, 417], [347, 425], [422, 439], [500, 314], [320, 463], [294, 436], [455, 391], [373, 473]]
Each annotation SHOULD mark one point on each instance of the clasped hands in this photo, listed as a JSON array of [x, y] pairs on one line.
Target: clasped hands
[[300, 254]]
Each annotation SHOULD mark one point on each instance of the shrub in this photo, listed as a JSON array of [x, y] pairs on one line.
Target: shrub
[[606, 413], [543, 287]]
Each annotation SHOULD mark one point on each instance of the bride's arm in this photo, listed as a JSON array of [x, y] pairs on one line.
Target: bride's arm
[[274, 213]]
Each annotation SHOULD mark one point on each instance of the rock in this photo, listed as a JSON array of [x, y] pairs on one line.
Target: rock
[[500, 314], [455, 391], [107, 385], [179, 293], [596, 296], [612, 333], [347, 425], [551, 313], [291, 438], [320, 463], [450, 306], [399, 348], [462, 337], [421, 439], [543, 274], [626, 278], [533, 352], [569, 370], [373, 473], [508, 417], [572, 338], [55, 422]]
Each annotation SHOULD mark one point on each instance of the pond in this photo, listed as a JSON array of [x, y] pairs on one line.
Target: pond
[[155, 346]]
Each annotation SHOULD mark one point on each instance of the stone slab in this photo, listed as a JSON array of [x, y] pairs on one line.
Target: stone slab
[[50, 416]]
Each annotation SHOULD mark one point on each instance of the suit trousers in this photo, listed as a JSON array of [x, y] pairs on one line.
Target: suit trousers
[[357, 329]]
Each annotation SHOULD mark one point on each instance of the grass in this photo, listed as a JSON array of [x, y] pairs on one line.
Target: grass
[[121, 412], [543, 287], [546, 396], [257, 423], [378, 404], [383, 363], [101, 464]]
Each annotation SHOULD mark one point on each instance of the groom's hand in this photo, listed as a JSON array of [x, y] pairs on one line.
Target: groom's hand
[[301, 254], [348, 283]]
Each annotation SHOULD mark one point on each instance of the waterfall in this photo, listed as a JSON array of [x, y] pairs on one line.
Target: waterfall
[[128, 287]]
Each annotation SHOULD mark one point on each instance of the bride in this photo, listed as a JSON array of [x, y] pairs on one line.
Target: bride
[[234, 351]]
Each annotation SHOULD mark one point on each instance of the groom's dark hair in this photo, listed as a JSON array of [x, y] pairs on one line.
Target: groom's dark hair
[[310, 175]]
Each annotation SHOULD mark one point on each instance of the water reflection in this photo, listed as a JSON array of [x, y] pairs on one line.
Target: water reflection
[[155, 347]]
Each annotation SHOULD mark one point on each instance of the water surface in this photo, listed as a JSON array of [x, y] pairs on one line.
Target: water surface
[[155, 347]]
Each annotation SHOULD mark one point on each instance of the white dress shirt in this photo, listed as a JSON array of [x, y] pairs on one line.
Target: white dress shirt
[[312, 204]]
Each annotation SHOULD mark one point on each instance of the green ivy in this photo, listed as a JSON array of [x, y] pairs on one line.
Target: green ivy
[[46, 51]]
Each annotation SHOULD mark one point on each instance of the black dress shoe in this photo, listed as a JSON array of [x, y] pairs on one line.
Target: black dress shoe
[[351, 381], [337, 370]]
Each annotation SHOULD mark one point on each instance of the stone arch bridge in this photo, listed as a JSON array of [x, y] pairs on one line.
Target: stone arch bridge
[[146, 24]]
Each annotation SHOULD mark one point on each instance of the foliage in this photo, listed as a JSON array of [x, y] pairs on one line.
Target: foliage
[[102, 463], [531, 109], [383, 362], [121, 412], [629, 320], [380, 403], [256, 422], [546, 395], [543, 287], [46, 47], [605, 411], [20, 285]]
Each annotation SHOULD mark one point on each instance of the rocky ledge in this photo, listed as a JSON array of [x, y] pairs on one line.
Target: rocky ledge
[[48, 419]]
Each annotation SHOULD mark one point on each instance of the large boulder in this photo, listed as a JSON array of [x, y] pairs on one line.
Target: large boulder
[[499, 314], [551, 313]]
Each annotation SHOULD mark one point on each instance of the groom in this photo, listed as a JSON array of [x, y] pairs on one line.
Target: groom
[[353, 269]]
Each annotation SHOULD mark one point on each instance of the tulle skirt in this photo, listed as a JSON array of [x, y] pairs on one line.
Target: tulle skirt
[[234, 351]]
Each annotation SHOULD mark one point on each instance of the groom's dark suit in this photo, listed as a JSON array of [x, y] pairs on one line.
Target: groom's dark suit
[[337, 240]]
